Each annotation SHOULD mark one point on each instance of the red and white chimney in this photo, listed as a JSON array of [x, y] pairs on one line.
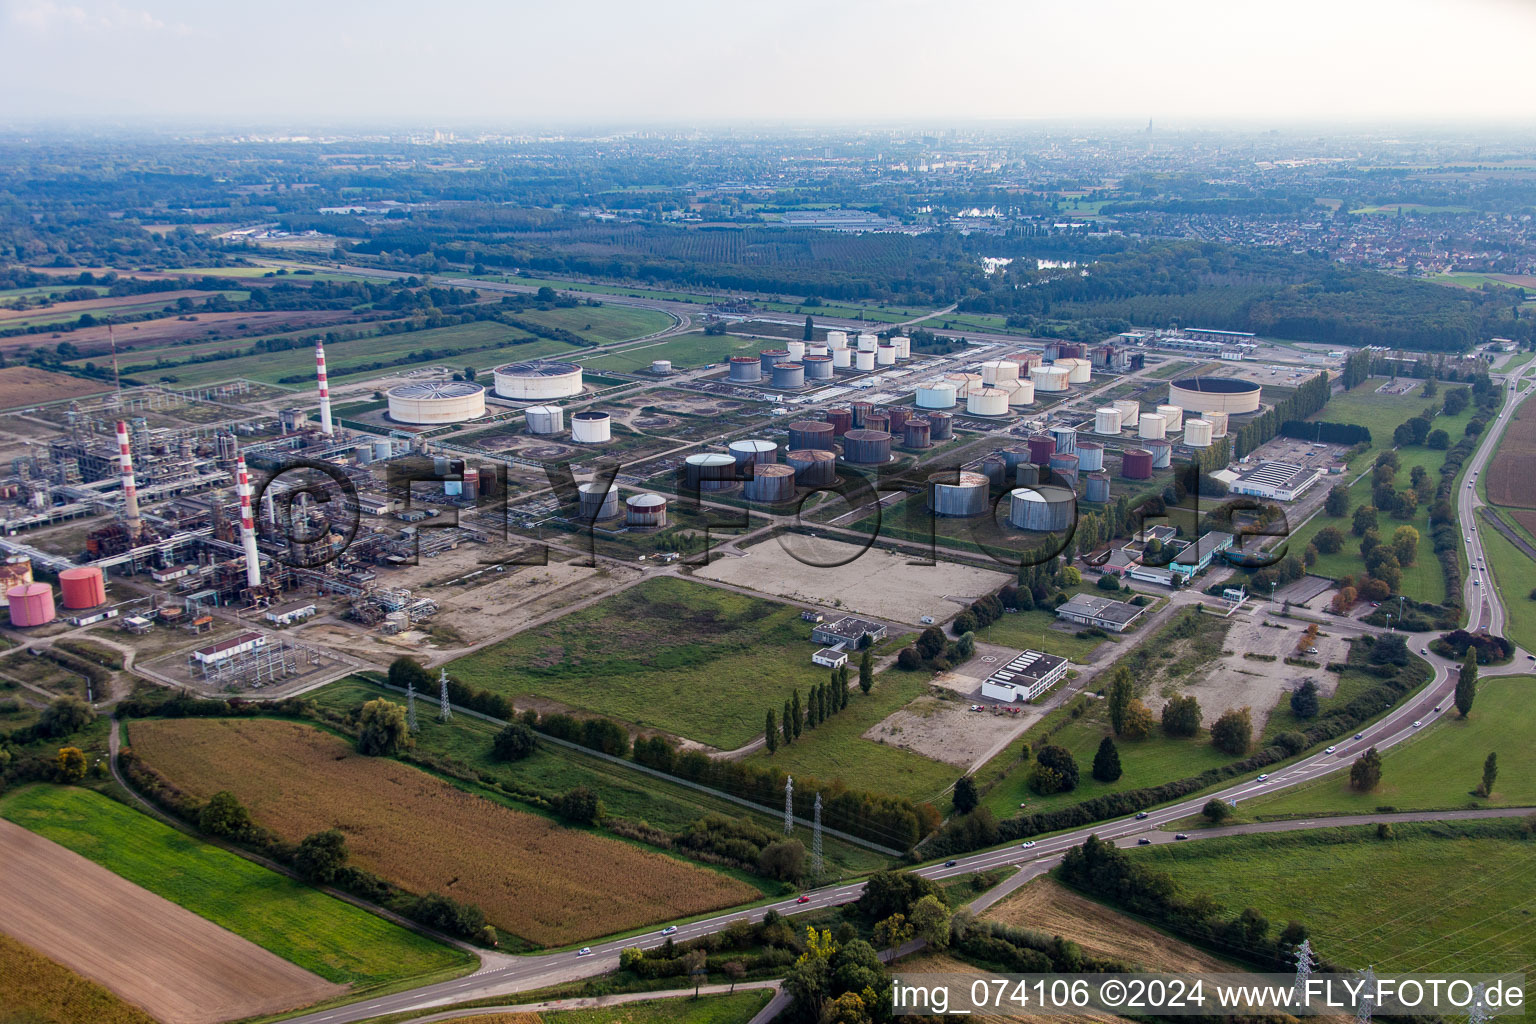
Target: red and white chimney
[[325, 390], [130, 488], [247, 528]]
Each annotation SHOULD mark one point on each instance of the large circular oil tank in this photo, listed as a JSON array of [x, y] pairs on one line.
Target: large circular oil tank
[[1106, 421], [796, 350], [709, 471], [1090, 456], [83, 587], [1064, 467], [868, 342], [842, 358], [1069, 350], [915, 433], [1015, 454], [661, 366], [1079, 371], [941, 426], [867, 447], [964, 383], [1152, 426], [863, 360], [841, 419], [1026, 474], [768, 358], [15, 571], [1042, 509], [837, 340], [962, 495], [1020, 392], [1049, 379], [537, 380], [789, 375], [814, 467], [939, 395], [1197, 434], [987, 402], [885, 355], [424, 402], [995, 370], [645, 511], [745, 370], [1217, 420], [598, 501], [903, 346], [545, 419], [1098, 488], [770, 483], [30, 604], [1130, 412], [754, 450], [817, 367], [898, 416], [591, 427], [877, 419], [1136, 464], [1215, 394], [860, 410], [811, 434], [1065, 437]]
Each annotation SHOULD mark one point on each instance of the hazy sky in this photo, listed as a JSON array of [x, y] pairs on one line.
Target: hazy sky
[[457, 61]]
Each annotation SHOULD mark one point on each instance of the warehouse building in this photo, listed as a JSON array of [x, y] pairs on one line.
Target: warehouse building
[[1197, 557], [285, 615], [847, 631], [240, 643], [1025, 677], [1278, 481], [1103, 612]]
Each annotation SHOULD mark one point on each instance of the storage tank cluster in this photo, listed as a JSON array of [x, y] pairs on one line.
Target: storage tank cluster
[[1136, 464], [814, 467], [709, 471], [1197, 434], [1042, 509], [941, 426], [754, 451], [936, 395], [962, 495], [424, 402], [789, 375], [538, 380], [30, 604], [770, 482], [598, 501], [987, 402], [1162, 453], [591, 427], [1106, 421], [545, 420], [1152, 426], [867, 447], [745, 370], [83, 587], [645, 511], [1173, 417], [1090, 456], [1049, 379], [811, 434]]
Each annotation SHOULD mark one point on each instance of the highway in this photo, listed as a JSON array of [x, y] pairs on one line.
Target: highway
[[504, 975]]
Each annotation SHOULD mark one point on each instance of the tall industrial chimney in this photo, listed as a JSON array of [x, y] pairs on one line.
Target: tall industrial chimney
[[325, 391], [247, 528], [130, 489]]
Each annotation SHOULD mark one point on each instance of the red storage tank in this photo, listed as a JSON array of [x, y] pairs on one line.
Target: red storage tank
[[83, 587], [1041, 448], [1136, 464], [31, 604], [841, 420], [898, 417]]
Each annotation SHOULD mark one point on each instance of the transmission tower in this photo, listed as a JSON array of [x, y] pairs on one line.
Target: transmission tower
[[445, 710], [410, 705], [1305, 961], [817, 864], [1478, 1013], [1367, 997], [789, 806]]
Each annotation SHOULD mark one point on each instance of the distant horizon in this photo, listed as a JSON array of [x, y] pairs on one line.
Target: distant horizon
[[803, 62]]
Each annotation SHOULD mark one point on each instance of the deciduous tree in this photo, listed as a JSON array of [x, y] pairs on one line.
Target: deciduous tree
[[321, 855], [384, 729], [1365, 773], [965, 798], [71, 764], [1232, 733], [1490, 774]]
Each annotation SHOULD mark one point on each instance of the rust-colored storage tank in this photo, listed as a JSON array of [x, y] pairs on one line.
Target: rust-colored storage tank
[[811, 434], [841, 419], [867, 447], [31, 604], [1136, 464], [770, 483], [1070, 350], [645, 511], [877, 421], [814, 467], [83, 587], [15, 571], [941, 426], [898, 417], [861, 410], [914, 433], [1041, 448]]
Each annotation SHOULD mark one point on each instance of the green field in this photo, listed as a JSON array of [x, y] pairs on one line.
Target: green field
[[686, 352], [693, 660], [335, 940], [601, 325], [1515, 575], [1439, 769], [837, 749], [1430, 899], [731, 1008], [553, 769], [131, 305], [1038, 629], [1380, 414]]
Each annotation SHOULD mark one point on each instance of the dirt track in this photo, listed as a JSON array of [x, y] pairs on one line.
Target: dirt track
[[177, 966]]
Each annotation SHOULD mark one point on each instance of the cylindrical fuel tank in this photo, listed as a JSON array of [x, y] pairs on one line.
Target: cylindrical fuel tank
[[1173, 417], [1136, 464], [863, 360], [914, 433], [962, 495], [867, 447], [1090, 456], [709, 471], [745, 370], [1042, 508], [645, 512], [768, 358], [789, 375], [1152, 426], [598, 501], [1066, 438], [753, 450], [841, 419], [814, 467], [1106, 421], [1162, 453], [1026, 474], [82, 587], [1098, 487], [877, 419], [1041, 448], [817, 367], [987, 402], [939, 395], [811, 434], [941, 426], [770, 483]]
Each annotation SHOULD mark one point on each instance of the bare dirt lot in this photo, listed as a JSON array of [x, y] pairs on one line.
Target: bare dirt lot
[[177, 966], [27, 385], [1511, 478], [947, 731], [876, 582], [1243, 677], [1051, 908]]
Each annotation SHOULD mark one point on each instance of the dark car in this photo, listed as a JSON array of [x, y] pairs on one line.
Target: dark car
[[950, 863], [1143, 841], [1181, 835], [1142, 815]]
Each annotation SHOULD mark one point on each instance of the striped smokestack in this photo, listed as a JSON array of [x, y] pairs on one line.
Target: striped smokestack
[[130, 488], [247, 528], [325, 391]]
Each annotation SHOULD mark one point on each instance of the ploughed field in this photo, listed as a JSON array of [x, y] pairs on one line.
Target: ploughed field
[[1511, 478], [533, 877]]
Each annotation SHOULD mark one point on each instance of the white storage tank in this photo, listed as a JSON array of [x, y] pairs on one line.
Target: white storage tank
[[1021, 393], [814, 349], [1078, 370], [1130, 412], [449, 401], [903, 346], [1173, 417], [987, 402], [1218, 422], [1106, 421], [1197, 433], [1042, 508], [936, 395], [995, 370], [885, 355], [545, 419], [837, 340], [1152, 426], [1090, 456], [868, 342], [965, 383], [661, 366], [591, 427], [842, 358], [864, 359], [1050, 379], [538, 380], [796, 350]]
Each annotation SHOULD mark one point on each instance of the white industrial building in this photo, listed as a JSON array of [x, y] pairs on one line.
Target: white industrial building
[[1025, 677], [284, 615], [1278, 481], [241, 643]]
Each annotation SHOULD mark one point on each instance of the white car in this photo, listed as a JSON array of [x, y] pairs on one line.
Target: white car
[[1330, 750], [669, 929], [1417, 723], [1026, 844], [584, 951], [1263, 777]]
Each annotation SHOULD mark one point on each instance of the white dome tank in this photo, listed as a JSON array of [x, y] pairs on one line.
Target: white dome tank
[[938, 395], [1173, 417], [1197, 433], [591, 427], [1049, 378], [1152, 426], [1021, 393], [996, 370], [987, 402], [1106, 421], [1130, 412], [868, 342]]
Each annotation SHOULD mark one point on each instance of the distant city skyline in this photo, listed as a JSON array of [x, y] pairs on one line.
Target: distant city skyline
[[687, 60]]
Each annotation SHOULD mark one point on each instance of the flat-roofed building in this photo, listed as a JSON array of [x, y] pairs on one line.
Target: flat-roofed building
[[1025, 677]]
